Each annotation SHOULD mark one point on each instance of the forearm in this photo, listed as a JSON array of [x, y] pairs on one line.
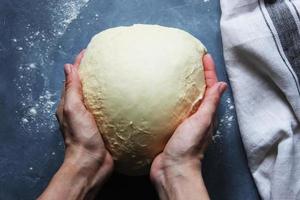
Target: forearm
[[77, 178], [68, 183], [180, 183]]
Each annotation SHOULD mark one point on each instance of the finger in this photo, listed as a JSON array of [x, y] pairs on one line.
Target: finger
[[205, 113], [209, 70], [201, 121], [78, 59], [59, 110], [73, 98]]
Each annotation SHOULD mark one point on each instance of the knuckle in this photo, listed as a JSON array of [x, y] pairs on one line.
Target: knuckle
[[69, 109], [215, 99], [67, 141], [64, 126], [68, 83], [72, 108]]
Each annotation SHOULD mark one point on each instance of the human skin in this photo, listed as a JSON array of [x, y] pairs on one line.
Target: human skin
[[175, 172], [87, 163]]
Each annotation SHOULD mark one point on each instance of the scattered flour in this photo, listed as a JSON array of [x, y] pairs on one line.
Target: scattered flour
[[32, 111], [216, 136], [65, 12], [37, 108], [31, 66], [24, 120], [226, 120]]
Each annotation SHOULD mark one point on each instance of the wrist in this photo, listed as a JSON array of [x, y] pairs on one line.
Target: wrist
[[79, 171], [164, 168], [96, 169], [171, 172], [180, 181], [86, 160], [87, 176]]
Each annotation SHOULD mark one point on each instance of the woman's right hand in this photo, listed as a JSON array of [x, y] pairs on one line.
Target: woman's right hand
[[176, 172]]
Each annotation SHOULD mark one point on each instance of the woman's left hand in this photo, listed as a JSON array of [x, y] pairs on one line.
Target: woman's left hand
[[87, 163]]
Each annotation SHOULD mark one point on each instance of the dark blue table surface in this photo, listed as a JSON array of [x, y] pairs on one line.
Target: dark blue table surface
[[38, 36]]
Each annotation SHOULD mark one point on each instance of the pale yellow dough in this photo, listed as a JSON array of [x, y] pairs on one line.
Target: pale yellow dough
[[140, 82]]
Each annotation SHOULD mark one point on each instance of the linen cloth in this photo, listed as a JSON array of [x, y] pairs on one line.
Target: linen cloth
[[261, 41]]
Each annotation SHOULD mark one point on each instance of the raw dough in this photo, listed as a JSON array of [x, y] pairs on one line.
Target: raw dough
[[140, 82]]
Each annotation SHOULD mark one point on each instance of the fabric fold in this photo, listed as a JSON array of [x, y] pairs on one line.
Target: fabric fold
[[261, 42]]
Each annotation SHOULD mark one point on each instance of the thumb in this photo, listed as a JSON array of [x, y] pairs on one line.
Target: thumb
[[73, 99], [208, 107]]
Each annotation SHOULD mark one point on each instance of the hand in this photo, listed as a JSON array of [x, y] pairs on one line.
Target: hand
[[183, 153], [83, 142], [87, 162]]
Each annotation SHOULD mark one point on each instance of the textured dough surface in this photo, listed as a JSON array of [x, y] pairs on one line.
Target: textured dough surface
[[140, 82]]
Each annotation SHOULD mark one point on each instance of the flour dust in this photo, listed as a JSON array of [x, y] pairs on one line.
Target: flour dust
[[226, 120], [37, 108]]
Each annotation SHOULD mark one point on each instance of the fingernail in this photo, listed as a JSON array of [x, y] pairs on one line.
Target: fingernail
[[222, 87], [68, 69], [82, 51]]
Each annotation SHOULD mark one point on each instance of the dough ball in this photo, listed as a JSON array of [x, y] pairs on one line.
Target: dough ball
[[140, 82]]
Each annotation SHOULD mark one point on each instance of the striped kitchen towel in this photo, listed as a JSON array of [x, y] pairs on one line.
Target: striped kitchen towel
[[261, 40]]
